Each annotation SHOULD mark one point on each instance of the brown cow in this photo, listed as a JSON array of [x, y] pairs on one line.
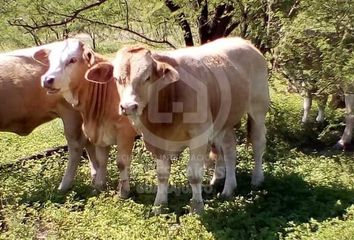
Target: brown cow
[[24, 105], [97, 101], [193, 97]]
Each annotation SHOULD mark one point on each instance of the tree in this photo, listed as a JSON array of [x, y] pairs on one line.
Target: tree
[[168, 22], [317, 47], [258, 21]]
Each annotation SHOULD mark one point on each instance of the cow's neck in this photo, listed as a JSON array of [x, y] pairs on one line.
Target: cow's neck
[[95, 103]]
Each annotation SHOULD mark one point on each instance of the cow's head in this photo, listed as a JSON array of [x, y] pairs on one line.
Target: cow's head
[[137, 70], [68, 61]]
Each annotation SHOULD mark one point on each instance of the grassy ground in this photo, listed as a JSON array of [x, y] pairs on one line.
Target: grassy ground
[[308, 192]]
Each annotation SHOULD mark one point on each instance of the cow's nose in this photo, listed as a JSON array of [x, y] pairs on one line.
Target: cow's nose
[[129, 109], [48, 82]]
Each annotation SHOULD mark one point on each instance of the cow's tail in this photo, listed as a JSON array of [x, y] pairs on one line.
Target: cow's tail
[[249, 129], [213, 156]]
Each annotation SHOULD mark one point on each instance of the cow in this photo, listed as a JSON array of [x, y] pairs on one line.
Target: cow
[[321, 105], [193, 97], [24, 105], [341, 97], [345, 141], [72, 74]]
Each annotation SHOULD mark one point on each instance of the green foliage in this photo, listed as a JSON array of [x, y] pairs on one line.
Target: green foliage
[[317, 47]]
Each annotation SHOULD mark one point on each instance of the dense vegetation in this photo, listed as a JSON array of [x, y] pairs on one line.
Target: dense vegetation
[[309, 188]]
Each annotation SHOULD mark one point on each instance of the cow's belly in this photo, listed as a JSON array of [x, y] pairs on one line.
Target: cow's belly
[[21, 119], [24, 125]]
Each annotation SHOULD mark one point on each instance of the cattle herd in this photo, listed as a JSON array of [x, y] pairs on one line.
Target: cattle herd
[[187, 98]]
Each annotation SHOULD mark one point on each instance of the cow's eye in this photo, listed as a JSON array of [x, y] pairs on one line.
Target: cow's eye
[[72, 60], [148, 79]]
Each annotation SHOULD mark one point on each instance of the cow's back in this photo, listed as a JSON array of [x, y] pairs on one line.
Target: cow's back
[[234, 71], [23, 103], [242, 55]]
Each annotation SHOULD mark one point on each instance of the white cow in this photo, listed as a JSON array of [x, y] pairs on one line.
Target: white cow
[[192, 97]]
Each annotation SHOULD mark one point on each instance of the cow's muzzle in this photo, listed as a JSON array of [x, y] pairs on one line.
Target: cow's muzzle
[[129, 109], [48, 83]]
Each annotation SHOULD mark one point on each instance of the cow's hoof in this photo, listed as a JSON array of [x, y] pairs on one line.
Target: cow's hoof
[[338, 146], [95, 192], [225, 196], [229, 189], [257, 179], [123, 194], [100, 186], [197, 206], [64, 188], [123, 190], [159, 209], [347, 147]]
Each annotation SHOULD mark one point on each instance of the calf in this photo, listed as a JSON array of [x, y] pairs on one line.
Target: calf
[[97, 101], [193, 97], [345, 141], [24, 105]]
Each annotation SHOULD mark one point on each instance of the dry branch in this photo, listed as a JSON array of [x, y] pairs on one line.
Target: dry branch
[[68, 19]]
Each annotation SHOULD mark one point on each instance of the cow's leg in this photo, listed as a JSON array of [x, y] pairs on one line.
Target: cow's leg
[[229, 152], [349, 122], [124, 148], [195, 171], [258, 140], [100, 180], [76, 142], [163, 169], [91, 152], [219, 171], [321, 103], [307, 106]]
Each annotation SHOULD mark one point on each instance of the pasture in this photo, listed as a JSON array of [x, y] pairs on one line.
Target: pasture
[[308, 192]]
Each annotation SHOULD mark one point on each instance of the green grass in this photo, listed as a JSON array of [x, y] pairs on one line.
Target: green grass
[[308, 192], [43, 137]]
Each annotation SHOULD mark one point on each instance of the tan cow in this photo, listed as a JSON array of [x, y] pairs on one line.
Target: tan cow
[[192, 97], [24, 105], [97, 101]]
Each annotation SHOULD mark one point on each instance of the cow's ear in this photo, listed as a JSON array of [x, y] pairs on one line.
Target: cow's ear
[[168, 73], [88, 55], [100, 73], [164, 68], [41, 56]]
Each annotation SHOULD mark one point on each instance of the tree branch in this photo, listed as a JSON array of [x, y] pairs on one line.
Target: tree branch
[[182, 21], [127, 30], [20, 23], [76, 15], [294, 8], [203, 27]]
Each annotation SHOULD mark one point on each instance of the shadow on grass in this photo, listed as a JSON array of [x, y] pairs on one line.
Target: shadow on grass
[[37, 182], [251, 214], [264, 214]]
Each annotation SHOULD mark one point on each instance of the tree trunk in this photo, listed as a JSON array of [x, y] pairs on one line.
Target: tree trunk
[[182, 21]]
